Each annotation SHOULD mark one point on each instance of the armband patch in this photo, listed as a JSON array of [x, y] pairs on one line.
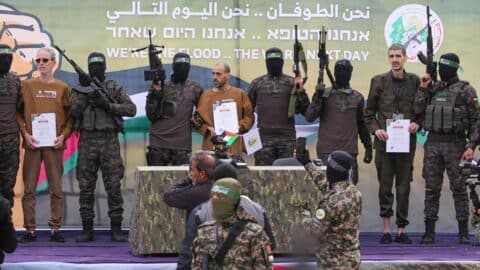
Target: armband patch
[[320, 214]]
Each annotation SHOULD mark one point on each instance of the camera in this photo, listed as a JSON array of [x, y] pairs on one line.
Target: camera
[[220, 148], [469, 172]]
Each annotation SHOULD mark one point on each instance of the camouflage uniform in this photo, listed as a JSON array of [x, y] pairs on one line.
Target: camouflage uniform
[[342, 122], [476, 226], [250, 250], [336, 223], [170, 111], [9, 138], [443, 150], [271, 95], [99, 147]]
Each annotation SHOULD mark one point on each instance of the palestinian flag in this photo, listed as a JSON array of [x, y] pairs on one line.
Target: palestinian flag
[[230, 138]]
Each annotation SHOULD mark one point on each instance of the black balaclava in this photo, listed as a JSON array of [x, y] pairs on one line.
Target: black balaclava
[[343, 73], [180, 67], [448, 66], [338, 167], [5, 59], [97, 65], [274, 61]]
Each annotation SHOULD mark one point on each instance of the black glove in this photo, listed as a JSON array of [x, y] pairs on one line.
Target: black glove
[[305, 158], [84, 80], [102, 102], [368, 155], [319, 89]]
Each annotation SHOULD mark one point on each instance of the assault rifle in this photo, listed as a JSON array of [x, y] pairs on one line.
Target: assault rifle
[[428, 60], [298, 56], [156, 72], [96, 86], [323, 59]]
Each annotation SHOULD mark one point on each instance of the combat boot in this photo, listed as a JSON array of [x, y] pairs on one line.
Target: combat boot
[[116, 231], [87, 232], [463, 237], [429, 237]]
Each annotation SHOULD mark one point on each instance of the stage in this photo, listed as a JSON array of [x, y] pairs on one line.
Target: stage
[[104, 254]]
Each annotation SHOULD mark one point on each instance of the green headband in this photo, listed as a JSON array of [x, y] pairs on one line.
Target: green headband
[[5, 51], [450, 63], [271, 55], [182, 60], [226, 191], [96, 59]]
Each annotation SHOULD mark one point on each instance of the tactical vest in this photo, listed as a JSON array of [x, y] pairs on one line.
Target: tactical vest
[[98, 119], [443, 115]]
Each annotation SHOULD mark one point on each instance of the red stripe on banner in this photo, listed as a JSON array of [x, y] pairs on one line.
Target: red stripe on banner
[[71, 146]]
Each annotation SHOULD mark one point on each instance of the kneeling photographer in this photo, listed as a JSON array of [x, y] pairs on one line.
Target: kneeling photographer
[[469, 172]]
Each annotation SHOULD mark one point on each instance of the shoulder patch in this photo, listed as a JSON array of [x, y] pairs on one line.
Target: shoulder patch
[[206, 224], [253, 227], [320, 213]]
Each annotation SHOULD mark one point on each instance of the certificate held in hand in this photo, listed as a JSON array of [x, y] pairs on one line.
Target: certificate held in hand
[[225, 117], [398, 136], [44, 129]]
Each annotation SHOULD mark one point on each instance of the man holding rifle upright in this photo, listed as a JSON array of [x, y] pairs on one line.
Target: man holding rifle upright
[[270, 95], [450, 108], [98, 113], [277, 98], [340, 109], [170, 109]]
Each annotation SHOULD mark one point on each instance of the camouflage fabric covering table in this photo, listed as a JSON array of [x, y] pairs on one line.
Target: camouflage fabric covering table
[[156, 228]]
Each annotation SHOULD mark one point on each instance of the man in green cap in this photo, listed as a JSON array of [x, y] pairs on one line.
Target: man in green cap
[[98, 146], [233, 239]]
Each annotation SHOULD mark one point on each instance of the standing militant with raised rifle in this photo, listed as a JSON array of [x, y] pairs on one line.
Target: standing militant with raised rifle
[[97, 108], [340, 109], [272, 94], [170, 109], [233, 240], [9, 140], [452, 118], [336, 221]]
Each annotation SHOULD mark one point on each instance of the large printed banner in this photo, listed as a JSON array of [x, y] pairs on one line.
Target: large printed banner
[[236, 32]]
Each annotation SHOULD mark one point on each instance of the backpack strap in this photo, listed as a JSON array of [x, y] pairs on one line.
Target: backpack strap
[[235, 231]]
